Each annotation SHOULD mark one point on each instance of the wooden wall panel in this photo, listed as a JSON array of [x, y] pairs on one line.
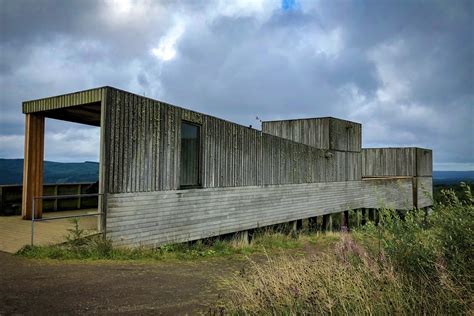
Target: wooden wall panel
[[177, 216], [133, 125], [424, 162], [424, 190], [378, 162], [145, 150], [324, 133], [409, 161]]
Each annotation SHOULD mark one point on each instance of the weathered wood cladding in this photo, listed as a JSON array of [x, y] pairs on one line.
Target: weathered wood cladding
[[235, 155], [424, 191], [424, 162], [63, 101], [324, 133], [299, 169], [176, 216], [134, 144], [145, 151], [411, 161]]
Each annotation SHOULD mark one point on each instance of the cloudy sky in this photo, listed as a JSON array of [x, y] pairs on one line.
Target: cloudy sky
[[404, 69]]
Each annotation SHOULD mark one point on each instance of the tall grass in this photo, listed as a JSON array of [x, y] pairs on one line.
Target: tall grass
[[264, 240], [419, 263]]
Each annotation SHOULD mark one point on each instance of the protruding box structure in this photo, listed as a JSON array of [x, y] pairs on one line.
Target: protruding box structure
[[413, 162]]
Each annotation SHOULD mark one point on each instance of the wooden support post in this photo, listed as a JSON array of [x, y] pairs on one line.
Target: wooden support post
[[299, 224], [242, 237], [327, 222], [56, 199], [33, 166], [293, 227], [312, 223], [364, 216], [79, 201], [1, 201], [345, 221], [371, 214]]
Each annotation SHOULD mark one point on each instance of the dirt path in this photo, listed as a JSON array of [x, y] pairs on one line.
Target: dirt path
[[56, 287]]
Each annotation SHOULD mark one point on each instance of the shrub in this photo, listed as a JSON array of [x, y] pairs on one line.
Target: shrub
[[416, 262], [453, 227], [347, 281]]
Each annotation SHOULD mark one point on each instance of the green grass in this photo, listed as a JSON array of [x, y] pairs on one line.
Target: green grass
[[78, 247], [420, 264]]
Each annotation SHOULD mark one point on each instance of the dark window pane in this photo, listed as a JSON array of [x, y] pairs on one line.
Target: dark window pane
[[189, 169]]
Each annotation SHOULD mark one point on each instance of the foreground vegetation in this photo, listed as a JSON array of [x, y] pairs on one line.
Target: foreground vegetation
[[419, 264], [411, 263], [264, 240]]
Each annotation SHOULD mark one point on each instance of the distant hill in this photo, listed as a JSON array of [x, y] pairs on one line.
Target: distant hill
[[452, 177], [11, 171]]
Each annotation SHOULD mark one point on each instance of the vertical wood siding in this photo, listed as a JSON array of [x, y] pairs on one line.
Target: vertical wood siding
[[388, 162], [396, 162], [133, 126], [63, 101], [424, 188], [424, 162], [145, 151], [176, 216], [324, 133]]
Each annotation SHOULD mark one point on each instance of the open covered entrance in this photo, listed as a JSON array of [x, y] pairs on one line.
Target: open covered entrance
[[85, 107]]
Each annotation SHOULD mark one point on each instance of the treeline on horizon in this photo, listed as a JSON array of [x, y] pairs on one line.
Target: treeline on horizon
[[11, 173]]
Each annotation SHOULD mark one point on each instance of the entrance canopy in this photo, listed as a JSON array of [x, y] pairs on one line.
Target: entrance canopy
[[82, 107]]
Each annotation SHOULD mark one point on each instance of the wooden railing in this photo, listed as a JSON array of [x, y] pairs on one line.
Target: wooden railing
[[11, 197]]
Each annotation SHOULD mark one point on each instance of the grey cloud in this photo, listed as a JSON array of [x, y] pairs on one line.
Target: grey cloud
[[403, 69]]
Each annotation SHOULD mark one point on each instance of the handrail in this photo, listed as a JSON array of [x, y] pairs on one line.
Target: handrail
[[47, 197]]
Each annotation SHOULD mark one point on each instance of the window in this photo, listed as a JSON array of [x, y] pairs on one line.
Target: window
[[190, 155]]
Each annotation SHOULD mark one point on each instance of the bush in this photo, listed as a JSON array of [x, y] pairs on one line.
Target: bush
[[348, 281], [416, 262], [453, 227]]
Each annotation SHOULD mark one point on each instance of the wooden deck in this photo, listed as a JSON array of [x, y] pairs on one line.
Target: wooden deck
[[15, 232]]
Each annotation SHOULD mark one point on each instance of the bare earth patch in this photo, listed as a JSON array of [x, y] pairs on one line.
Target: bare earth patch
[[64, 287]]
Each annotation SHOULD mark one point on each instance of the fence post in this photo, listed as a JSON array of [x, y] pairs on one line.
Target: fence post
[[55, 200], [79, 196], [33, 222]]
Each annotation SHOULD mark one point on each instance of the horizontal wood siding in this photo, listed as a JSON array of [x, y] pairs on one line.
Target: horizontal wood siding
[[154, 218], [324, 133]]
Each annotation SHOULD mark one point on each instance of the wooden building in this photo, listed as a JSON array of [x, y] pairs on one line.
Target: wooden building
[[169, 174]]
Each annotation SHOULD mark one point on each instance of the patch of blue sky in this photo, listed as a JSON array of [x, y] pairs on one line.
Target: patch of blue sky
[[287, 5]]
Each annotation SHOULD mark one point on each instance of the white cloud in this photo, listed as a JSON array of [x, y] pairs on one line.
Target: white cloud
[[11, 146], [75, 143], [407, 79], [259, 9], [166, 49]]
